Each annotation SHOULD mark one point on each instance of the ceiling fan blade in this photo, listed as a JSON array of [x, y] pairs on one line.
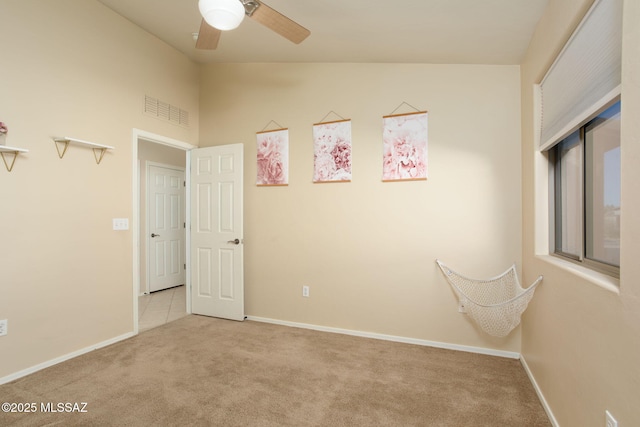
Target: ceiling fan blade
[[207, 37], [279, 23]]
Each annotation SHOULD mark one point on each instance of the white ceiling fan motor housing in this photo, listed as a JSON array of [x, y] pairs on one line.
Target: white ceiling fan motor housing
[[222, 14]]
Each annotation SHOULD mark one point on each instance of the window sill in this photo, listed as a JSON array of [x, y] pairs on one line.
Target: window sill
[[602, 280]]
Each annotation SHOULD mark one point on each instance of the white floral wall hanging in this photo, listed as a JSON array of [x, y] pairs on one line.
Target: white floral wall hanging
[[332, 151], [405, 147], [273, 157]]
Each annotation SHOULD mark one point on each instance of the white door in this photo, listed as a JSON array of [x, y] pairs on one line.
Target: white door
[[217, 277], [165, 204]]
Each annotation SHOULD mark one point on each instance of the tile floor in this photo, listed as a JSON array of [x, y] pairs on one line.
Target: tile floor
[[161, 307]]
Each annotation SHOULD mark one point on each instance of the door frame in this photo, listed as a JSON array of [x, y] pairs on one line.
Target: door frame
[[138, 135], [147, 166]]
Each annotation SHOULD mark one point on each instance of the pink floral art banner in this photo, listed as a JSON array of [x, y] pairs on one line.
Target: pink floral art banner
[[405, 147], [332, 151], [273, 157]]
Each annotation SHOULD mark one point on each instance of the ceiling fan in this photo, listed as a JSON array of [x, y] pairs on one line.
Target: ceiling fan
[[222, 15]]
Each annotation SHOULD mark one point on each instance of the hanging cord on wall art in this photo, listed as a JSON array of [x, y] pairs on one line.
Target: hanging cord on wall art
[[417, 110], [274, 122], [328, 114]]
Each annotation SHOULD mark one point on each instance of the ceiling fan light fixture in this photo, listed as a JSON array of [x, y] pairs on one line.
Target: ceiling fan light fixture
[[222, 14]]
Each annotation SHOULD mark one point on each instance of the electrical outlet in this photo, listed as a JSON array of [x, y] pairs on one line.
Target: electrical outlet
[[4, 324], [611, 422], [305, 291]]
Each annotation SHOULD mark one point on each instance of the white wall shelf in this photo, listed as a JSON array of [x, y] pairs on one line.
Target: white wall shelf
[[4, 150], [98, 149]]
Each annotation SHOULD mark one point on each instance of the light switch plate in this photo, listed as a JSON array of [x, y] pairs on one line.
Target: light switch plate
[[120, 223]]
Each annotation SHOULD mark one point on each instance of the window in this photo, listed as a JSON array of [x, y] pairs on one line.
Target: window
[[586, 197]]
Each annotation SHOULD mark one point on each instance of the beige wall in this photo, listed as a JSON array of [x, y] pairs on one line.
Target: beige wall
[[580, 339], [74, 68], [366, 249]]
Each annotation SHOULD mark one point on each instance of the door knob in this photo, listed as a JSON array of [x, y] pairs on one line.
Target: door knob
[[155, 235], [235, 242]]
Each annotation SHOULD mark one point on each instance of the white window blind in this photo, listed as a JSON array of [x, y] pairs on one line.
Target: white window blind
[[585, 76]]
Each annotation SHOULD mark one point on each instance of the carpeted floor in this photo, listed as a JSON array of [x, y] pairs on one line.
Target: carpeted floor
[[200, 371]]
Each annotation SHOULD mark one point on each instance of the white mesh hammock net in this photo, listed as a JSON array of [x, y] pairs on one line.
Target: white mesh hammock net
[[495, 304]]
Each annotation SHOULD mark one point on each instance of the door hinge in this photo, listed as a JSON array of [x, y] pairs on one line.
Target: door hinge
[[185, 266], [184, 225], [184, 183]]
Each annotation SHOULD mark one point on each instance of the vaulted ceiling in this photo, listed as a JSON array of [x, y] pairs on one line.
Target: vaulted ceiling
[[402, 31]]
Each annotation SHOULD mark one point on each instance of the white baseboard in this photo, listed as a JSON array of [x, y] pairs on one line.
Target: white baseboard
[[64, 358], [543, 401], [426, 343]]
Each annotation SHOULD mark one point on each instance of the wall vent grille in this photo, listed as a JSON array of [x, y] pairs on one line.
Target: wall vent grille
[[166, 111]]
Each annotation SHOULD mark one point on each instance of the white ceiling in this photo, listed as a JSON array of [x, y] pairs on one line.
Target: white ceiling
[[402, 31]]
